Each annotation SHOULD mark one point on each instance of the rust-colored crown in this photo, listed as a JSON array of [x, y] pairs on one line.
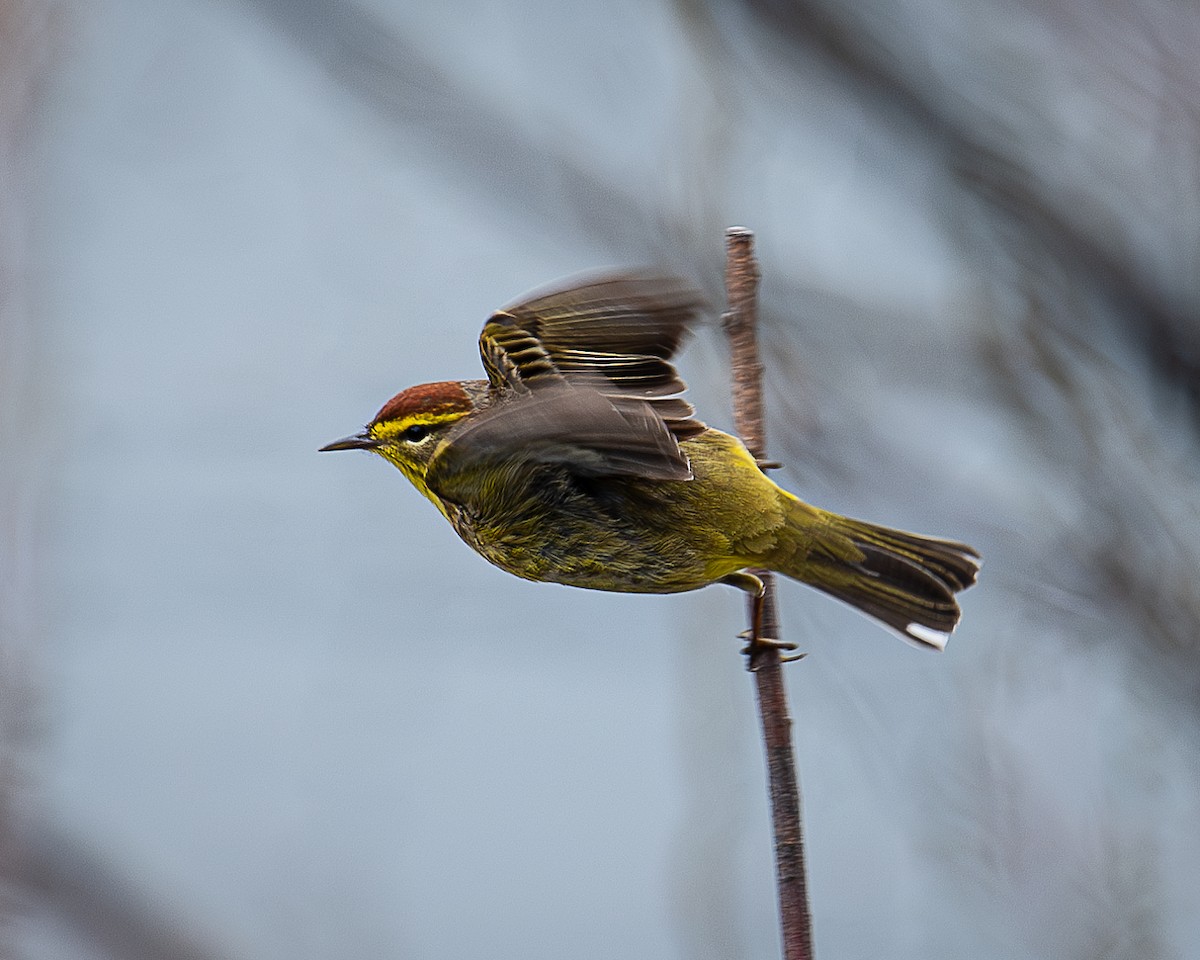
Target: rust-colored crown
[[430, 399]]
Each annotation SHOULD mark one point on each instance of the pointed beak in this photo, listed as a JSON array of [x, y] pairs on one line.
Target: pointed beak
[[360, 441]]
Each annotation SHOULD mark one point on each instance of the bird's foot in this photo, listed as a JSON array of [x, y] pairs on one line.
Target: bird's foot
[[756, 646]]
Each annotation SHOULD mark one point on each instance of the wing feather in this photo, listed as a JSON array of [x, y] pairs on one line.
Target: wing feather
[[576, 427], [614, 334]]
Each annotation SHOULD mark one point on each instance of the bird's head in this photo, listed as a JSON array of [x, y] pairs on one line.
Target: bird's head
[[409, 428]]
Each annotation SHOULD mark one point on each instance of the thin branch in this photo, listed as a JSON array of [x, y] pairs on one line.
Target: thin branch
[[741, 284]]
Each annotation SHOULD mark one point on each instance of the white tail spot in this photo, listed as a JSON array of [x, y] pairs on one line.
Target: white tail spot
[[934, 638]]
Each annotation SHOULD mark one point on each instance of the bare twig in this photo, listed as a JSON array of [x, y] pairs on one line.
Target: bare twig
[[741, 284]]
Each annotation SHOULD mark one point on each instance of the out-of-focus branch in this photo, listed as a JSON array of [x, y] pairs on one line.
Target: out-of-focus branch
[[384, 70], [1019, 200], [59, 876]]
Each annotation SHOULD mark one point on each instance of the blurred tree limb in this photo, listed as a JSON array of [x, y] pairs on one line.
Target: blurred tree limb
[[1044, 223], [83, 890]]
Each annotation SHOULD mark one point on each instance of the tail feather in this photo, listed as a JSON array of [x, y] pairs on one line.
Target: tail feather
[[904, 580]]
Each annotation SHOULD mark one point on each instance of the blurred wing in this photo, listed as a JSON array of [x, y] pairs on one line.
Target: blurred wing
[[615, 334], [577, 427]]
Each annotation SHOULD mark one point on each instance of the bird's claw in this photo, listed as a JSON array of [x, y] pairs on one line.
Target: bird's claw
[[765, 641], [757, 645]]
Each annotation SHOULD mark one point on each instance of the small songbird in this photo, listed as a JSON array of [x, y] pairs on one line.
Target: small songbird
[[576, 461]]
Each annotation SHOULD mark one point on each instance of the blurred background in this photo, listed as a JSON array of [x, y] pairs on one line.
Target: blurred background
[[257, 703]]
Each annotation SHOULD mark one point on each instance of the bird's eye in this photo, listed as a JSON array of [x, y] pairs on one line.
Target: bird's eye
[[416, 433]]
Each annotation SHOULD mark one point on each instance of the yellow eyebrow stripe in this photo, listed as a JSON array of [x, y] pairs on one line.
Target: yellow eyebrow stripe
[[392, 428]]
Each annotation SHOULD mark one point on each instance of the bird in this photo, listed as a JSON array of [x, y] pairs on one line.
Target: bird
[[577, 460]]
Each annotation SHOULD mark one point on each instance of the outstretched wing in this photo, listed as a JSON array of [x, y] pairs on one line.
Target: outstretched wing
[[574, 426], [614, 334]]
